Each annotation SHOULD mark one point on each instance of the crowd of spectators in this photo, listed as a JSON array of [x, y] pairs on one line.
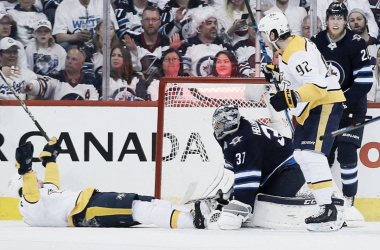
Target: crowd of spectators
[[58, 43]]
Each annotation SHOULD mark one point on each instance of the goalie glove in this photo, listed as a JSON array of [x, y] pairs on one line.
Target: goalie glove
[[50, 153], [234, 215], [284, 99], [24, 155], [271, 73]]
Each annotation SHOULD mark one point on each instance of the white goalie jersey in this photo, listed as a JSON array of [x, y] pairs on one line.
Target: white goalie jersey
[[51, 210]]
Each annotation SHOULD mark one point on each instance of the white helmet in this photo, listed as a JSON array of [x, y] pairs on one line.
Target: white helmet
[[274, 21], [15, 186]]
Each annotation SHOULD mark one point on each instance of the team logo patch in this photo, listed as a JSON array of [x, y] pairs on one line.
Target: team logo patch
[[204, 66], [332, 46], [120, 196], [337, 70], [356, 37], [236, 140]]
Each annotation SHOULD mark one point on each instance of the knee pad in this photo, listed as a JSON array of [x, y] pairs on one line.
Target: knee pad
[[347, 153]]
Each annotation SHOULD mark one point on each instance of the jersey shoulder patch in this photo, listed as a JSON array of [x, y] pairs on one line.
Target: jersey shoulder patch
[[297, 43]]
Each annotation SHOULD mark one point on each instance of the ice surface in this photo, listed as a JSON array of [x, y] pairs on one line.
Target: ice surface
[[15, 235]]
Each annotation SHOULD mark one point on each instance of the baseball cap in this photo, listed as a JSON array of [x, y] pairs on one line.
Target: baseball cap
[[4, 13], [42, 23], [7, 42], [357, 10]]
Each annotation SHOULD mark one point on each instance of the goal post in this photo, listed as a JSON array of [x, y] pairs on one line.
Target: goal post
[[186, 150]]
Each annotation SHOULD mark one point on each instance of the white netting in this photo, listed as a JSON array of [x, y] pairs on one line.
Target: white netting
[[190, 152]]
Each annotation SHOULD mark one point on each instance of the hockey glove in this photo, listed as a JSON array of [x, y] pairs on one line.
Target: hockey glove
[[50, 153], [272, 72], [24, 155], [283, 100]]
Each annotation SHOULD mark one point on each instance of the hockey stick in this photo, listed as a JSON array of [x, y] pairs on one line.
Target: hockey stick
[[190, 191], [267, 58], [349, 128], [24, 106], [210, 198]]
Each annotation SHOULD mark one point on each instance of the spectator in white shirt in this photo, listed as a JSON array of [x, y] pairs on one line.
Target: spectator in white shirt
[[294, 14], [45, 56], [75, 21]]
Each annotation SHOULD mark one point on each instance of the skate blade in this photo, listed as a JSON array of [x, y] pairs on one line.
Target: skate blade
[[331, 226], [355, 223]]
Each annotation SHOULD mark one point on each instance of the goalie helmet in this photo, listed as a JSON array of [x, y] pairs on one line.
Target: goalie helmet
[[225, 120], [274, 21], [337, 9]]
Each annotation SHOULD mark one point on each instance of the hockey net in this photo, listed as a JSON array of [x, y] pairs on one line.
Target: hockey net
[[186, 149]]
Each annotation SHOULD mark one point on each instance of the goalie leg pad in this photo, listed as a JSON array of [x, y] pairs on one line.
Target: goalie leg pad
[[288, 212]]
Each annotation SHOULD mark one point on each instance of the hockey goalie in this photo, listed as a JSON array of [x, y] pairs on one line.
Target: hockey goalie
[[261, 184]]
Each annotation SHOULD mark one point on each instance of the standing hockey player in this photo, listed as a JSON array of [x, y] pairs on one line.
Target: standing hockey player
[[49, 206], [347, 56], [261, 160], [317, 102]]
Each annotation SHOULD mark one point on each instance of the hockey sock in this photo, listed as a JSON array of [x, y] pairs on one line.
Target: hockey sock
[[349, 175], [168, 204], [30, 187], [320, 176], [161, 216], [299, 159]]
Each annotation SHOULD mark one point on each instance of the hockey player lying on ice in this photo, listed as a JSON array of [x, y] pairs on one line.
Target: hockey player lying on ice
[[262, 162], [44, 204]]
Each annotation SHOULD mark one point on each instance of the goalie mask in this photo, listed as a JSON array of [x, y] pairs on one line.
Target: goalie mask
[[225, 120]]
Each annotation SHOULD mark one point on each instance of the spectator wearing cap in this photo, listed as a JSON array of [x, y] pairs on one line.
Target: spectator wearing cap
[[322, 6], [44, 56], [359, 25], [75, 21], [8, 28], [26, 15], [68, 84], [15, 74]]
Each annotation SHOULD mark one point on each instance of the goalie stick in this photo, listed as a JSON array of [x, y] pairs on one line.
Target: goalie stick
[[190, 191], [210, 198], [267, 58], [24, 107], [349, 128]]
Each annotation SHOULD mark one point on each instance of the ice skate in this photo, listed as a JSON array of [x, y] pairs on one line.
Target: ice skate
[[353, 218], [324, 219], [201, 210]]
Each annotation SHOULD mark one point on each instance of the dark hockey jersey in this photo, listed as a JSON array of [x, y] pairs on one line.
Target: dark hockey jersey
[[128, 18], [255, 153], [349, 60]]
